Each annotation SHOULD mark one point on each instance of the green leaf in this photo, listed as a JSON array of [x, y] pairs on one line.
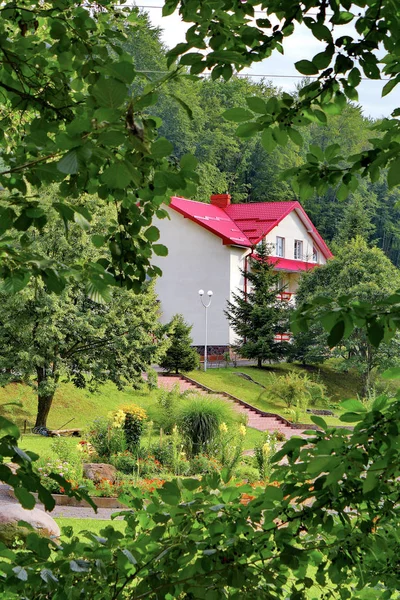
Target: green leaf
[[336, 334], [21, 573], [8, 428], [394, 173], [16, 282], [26, 499], [79, 566], [353, 406], [191, 484], [152, 234], [188, 161], [48, 577], [351, 417], [162, 147], [388, 87], [238, 115], [69, 164], [370, 482], [169, 7], [322, 60], [257, 105], [98, 240], [320, 422], [375, 333], [110, 93], [295, 136], [183, 104], [160, 250], [306, 67], [98, 291], [116, 176], [267, 140], [319, 464], [247, 130]]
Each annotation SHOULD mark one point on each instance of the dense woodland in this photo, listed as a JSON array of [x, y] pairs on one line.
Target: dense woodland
[[243, 166]]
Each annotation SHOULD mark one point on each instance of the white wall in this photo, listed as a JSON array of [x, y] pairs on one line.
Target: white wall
[[237, 265], [292, 228], [197, 259]]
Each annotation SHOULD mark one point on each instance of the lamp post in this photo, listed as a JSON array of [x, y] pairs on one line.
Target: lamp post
[[206, 306]]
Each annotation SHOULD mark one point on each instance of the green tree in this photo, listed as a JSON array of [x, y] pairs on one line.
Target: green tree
[[365, 275], [44, 336], [75, 115], [180, 356], [257, 314]]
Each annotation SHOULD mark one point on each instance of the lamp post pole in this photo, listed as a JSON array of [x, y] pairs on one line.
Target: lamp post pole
[[206, 306]]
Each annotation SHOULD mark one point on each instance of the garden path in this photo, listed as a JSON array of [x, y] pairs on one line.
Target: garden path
[[62, 511], [256, 418]]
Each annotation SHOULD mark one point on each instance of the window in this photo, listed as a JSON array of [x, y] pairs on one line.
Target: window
[[315, 254], [280, 246], [298, 249]]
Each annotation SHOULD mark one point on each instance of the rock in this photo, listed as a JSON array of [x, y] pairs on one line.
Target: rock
[[12, 466], [99, 471], [11, 514], [320, 411]]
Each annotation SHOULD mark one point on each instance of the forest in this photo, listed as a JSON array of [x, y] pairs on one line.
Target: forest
[[191, 109]]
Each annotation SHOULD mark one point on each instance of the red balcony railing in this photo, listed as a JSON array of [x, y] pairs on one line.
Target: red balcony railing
[[282, 337], [285, 296]]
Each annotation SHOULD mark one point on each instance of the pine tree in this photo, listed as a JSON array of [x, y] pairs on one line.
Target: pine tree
[[258, 314], [180, 355]]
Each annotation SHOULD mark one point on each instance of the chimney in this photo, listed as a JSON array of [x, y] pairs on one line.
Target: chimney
[[221, 200]]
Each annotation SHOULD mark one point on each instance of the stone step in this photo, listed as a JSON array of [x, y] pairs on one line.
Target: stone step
[[255, 419]]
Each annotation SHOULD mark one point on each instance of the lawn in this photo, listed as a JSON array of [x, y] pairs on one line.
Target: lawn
[[340, 386], [92, 525]]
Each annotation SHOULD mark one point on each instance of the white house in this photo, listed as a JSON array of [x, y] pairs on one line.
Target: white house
[[209, 246]]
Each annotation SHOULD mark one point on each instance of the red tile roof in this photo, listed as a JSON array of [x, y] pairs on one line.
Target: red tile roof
[[245, 224], [291, 265]]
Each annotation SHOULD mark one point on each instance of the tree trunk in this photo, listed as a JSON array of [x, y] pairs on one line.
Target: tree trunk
[[44, 400], [259, 363]]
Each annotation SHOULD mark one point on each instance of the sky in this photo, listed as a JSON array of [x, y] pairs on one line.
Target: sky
[[301, 45]]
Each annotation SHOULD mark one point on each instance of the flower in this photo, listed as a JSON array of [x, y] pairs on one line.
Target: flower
[[223, 428], [266, 448], [242, 430]]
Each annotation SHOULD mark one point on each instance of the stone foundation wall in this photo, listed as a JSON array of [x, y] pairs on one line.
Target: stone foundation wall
[[212, 351]]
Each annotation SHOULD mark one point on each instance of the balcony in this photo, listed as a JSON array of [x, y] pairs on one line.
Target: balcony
[[282, 337], [285, 296]]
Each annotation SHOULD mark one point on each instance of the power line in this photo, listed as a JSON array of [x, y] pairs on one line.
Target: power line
[[261, 12], [267, 75]]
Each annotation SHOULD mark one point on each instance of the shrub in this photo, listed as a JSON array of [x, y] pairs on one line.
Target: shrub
[[152, 379], [72, 473], [125, 462], [163, 452], [168, 401], [199, 418], [228, 446], [148, 466], [246, 473], [133, 425], [296, 390], [202, 464], [106, 437], [180, 356]]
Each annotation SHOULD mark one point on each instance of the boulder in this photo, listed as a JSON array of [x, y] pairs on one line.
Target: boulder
[[99, 471], [11, 514]]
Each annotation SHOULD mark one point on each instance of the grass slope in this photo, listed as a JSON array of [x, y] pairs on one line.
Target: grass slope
[[72, 403], [340, 386]]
